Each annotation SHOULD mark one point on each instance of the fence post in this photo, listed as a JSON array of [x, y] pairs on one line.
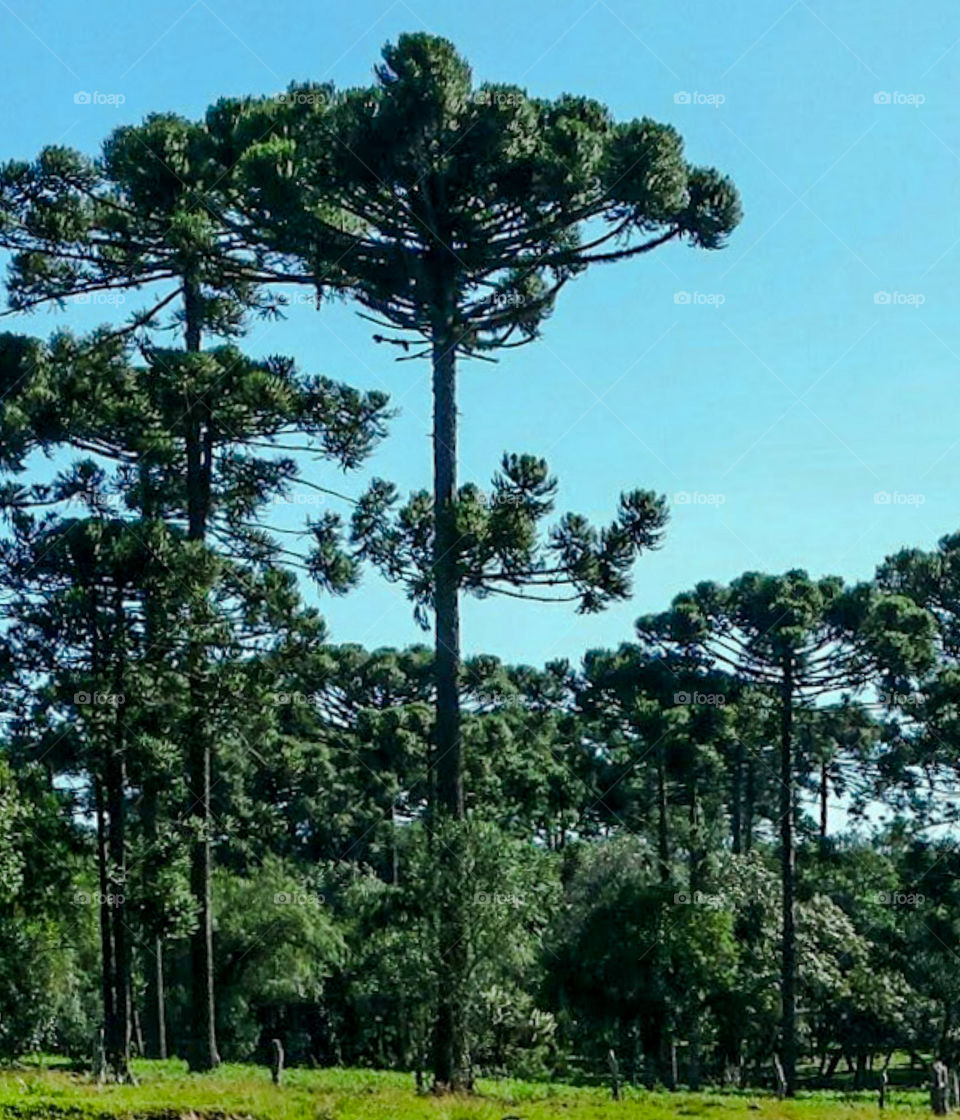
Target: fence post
[[99, 1055], [781, 1080], [614, 1074], [276, 1063], [938, 1089]]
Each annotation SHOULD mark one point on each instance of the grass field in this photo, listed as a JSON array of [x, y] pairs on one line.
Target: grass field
[[167, 1092]]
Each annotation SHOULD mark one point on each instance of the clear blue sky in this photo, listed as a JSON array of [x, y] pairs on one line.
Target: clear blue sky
[[782, 385]]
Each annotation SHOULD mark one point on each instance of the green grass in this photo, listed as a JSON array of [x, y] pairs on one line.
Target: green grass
[[167, 1092]]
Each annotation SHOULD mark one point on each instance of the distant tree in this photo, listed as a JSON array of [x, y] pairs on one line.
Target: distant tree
[[803, 640]]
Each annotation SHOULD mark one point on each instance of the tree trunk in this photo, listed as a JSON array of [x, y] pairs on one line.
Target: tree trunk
[[118, 1026], [788, 969], [750, 798], [202, 1053], [155, 1025], [155, 1011], [450, 1062], [106, 931], [663, 824], [824, 797], [117, 1035], [736, 799], [695, 882]]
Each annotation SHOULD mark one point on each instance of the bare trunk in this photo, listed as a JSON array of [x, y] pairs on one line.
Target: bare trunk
[[736, 800], [106, 930], [203, 1043], [663, 825], [824, 797], [117, 1035], [450, 1062], [788, 969]]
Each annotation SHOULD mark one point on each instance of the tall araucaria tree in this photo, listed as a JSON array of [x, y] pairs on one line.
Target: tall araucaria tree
[[804, 641], [454, 214], [201, 440]]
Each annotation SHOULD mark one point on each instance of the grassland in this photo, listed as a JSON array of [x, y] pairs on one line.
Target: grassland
[[166, 1092]]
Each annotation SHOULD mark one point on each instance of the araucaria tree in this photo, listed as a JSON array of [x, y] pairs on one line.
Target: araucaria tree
[[454, 214], [804, 641]]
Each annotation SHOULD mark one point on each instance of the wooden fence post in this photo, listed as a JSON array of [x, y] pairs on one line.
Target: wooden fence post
[[276, 1063], [938, 1089], [99, 1055], [781, 1080], [614, 1074]]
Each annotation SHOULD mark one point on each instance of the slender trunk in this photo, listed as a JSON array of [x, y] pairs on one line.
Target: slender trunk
[[154, 1030], [748, 809], [203, 1042], [824, 796], [119, 1029], [450, 1062], [736, 800], [788, 972], [695, 883], [106, 931], [117, 1035], [394, 849], [155, 1025], [155, 1012], [663, 824]]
